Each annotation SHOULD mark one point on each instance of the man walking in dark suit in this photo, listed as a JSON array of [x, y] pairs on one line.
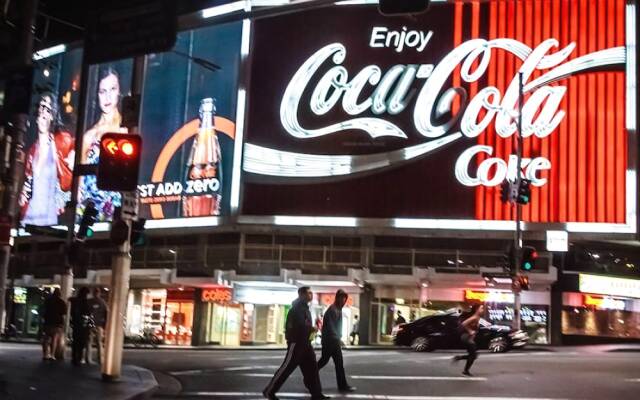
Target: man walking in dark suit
[[298, 330], [332, 340]]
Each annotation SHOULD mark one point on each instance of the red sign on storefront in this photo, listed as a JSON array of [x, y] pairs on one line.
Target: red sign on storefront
[[217, 295]]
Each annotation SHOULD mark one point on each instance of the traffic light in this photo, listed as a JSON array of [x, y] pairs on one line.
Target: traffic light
[[523, 282], [137, 232], [89, 217], [505, 189], [529, 257], [119, 161], [400, 7], [524, 191]]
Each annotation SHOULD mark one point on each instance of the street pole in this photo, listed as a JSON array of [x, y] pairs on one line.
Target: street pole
[[121, 268], [66, 285], [518, 232], [15, 132]]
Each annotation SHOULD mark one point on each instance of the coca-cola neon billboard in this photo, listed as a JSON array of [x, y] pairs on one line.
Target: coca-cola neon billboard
[[360, 101]]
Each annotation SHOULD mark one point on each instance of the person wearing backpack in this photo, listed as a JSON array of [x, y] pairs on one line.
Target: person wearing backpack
[[469, 325]]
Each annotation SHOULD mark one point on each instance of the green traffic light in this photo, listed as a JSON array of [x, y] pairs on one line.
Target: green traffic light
[[527, 266], [89, 232]]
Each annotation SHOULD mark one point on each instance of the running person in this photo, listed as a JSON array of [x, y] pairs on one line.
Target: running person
[[469, 328]]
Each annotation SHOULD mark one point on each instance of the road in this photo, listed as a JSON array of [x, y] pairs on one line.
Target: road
[[566, 373]]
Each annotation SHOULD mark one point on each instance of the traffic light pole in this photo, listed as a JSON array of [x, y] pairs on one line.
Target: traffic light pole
[[518, 232], [121, 270]]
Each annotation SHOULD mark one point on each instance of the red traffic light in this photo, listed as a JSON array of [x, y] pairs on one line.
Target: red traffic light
[[119, 161], [119, 147], [127, 148]]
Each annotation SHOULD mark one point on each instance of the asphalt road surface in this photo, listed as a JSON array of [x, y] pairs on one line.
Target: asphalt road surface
[[565, 373]]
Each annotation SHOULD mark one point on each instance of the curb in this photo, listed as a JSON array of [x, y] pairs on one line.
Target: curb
[[147, 381]]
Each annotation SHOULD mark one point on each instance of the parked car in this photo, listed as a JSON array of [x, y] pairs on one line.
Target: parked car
[[441, 332]]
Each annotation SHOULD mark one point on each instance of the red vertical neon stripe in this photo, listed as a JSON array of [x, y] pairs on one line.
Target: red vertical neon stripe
[[572, 179], [547, 197], [591, 158], [600, 132], [583, 95], [562, 31], [621, 143]]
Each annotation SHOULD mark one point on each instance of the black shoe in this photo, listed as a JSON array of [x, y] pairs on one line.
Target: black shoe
[[467, 373], [347, 389], [270, 396], [321, 397]]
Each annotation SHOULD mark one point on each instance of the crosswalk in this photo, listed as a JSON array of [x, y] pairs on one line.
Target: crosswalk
[[355, 396]]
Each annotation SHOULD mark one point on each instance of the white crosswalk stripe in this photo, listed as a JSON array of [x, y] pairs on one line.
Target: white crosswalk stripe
[[362, 396], [419, 378]]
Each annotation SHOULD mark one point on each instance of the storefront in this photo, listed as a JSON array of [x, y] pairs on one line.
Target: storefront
[[430, 301], [223, 317], [350, 311], [25, 309], [603, 306], [166, 313], [264, 308], [392, 305]]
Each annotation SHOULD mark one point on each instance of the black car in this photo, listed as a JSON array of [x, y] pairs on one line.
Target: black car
[[441, 332]]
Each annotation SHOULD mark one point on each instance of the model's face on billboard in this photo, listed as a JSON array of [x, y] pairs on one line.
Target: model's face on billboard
[[45, 115], [108, 94]]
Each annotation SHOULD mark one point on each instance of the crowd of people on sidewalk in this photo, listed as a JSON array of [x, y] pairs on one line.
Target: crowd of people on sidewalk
[[87, 320]]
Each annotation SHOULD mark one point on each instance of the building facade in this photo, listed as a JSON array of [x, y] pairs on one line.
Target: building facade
[[367, 154]]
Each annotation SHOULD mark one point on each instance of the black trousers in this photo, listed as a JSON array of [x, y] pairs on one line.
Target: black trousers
[[80, 340], [298, 355], [331, 349], [472, 351]]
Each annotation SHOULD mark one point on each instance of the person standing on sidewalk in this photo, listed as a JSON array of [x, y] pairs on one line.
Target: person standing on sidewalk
[[54, 311], [355, 331], [468, 329], [299, 330], [99, 311], [81, 323], [332, 340]]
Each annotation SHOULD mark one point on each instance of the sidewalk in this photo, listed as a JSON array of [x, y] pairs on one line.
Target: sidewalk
[[24, 376]]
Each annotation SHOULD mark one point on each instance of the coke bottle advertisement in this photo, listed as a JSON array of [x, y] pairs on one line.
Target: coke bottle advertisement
[[50, 139], [396, 119], [187, 125]]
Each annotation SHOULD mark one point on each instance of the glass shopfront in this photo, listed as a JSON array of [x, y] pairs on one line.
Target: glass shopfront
[[168, 314], [600, 316]]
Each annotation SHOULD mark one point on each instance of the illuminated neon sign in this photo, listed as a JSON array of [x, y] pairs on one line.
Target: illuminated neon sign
[[491, 296], [604, 303], [392, 92], [609, 286], [217, 295]]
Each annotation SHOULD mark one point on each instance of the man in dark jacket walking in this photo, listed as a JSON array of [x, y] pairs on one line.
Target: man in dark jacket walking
[[298, 330], [332, 340]]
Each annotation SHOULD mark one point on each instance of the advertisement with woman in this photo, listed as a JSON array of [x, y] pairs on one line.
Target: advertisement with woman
[[50, 140], [106, 85], [187, 125]]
